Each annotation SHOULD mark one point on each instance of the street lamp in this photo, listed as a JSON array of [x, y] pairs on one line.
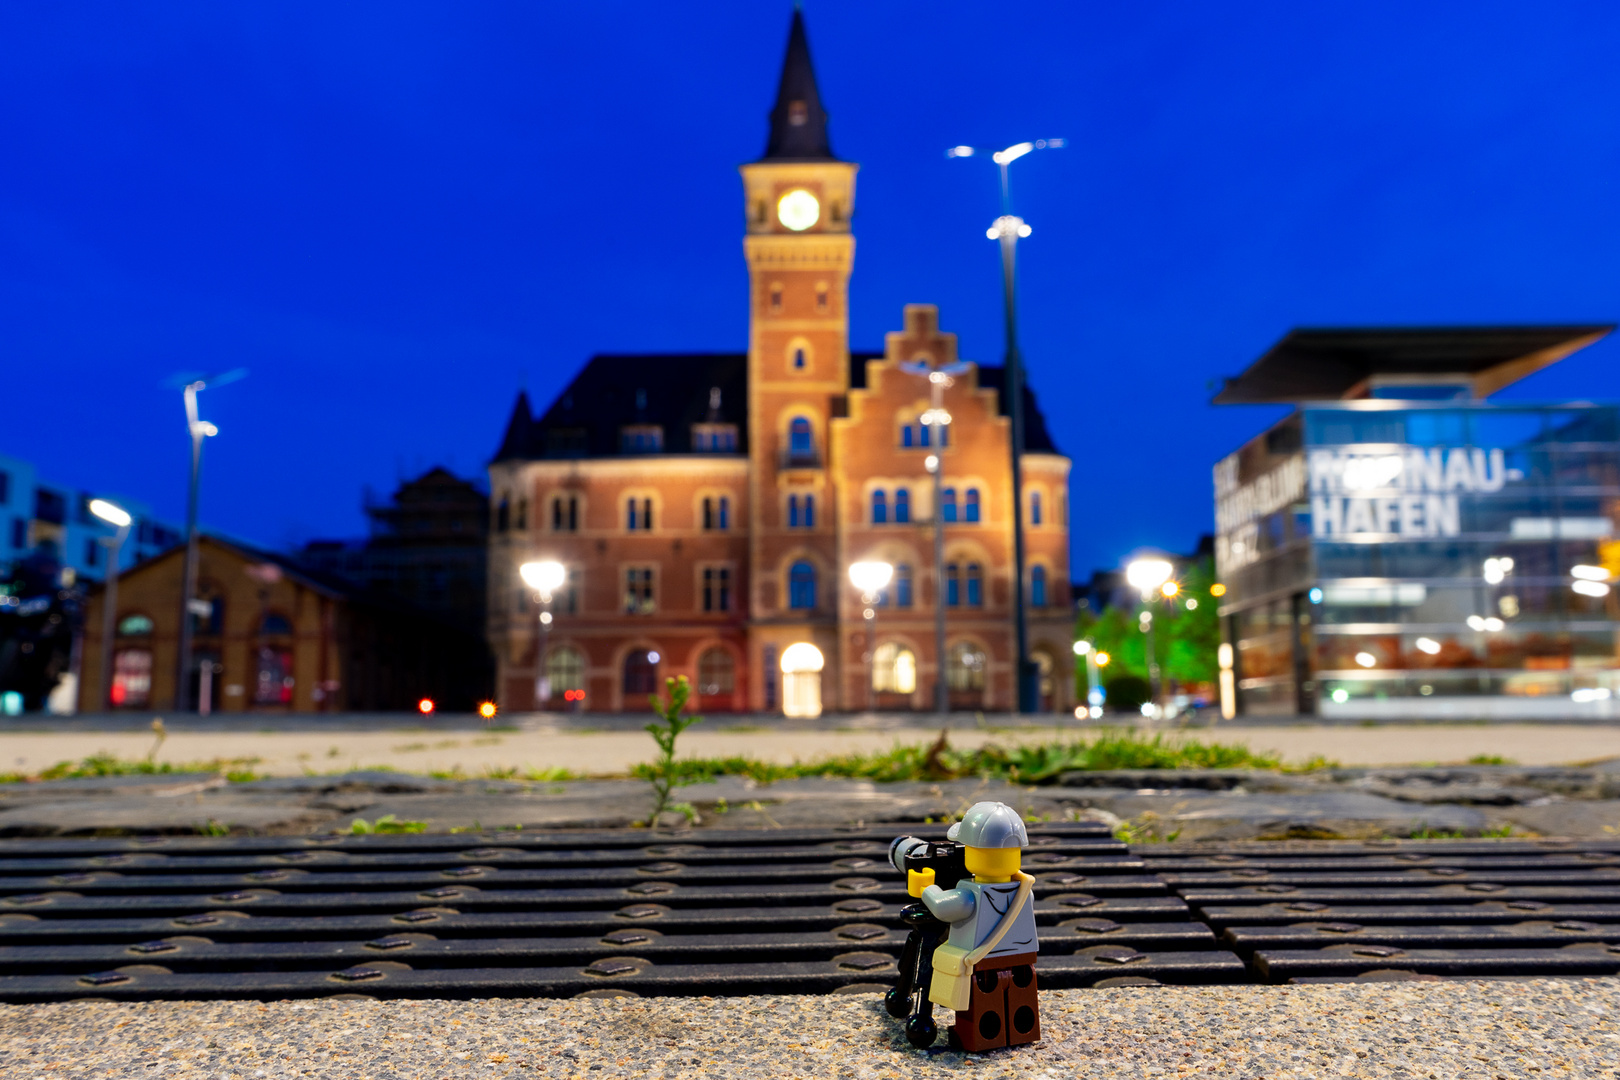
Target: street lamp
[[116, 516], [1009, 230], [870, 578], [544, 577], [199, 430], [1151, 576], [936, 418]]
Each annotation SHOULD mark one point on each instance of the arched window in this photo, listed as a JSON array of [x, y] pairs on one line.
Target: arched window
[[213, 623], [1037, 586], [975, 585], [894, 669], [947, 505], [953, 585], [905, 435], [902, 585], [880, 507], [135, 626], [641, 672], [565, 514], [274, 625], [801, 442], [970, 508], [565, 668], [902, 506], [793, 511], [965, 669], [273, 682], [638, 514], [717, 672], [802, 586], [798, 358], [1034, 508]]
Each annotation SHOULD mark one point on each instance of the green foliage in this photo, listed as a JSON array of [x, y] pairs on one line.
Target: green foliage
[[1185, 641], [1126, 692], [211, 827], [386, 824], [1491, 759], [1147, 829], [663, 774], [1033, 763], [104, 764]]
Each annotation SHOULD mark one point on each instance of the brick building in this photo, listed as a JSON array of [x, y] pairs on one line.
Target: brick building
[[708, 506]]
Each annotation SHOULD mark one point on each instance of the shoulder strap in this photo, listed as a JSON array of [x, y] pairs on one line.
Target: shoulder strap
[[1026, 885]]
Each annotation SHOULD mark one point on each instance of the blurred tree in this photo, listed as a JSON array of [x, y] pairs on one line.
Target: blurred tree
[[1185, 639]]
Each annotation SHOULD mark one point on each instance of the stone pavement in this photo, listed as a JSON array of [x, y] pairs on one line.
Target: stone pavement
[[1468, 1030], [1161, 804], [31, 745]]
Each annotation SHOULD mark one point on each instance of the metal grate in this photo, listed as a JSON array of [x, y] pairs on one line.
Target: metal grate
[[795, 911], [783, 911], [1382, 909]]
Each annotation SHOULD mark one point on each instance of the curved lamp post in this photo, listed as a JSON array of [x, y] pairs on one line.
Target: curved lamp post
[[545, 577], [116, 515], [870, 578]]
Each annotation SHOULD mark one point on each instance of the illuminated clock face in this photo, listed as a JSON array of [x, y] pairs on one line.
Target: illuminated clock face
[[798, 210]]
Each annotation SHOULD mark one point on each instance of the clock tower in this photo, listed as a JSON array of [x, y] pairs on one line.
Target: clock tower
[[798, 200]]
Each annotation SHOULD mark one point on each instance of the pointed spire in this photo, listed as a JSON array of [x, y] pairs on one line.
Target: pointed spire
[[798, 122], [516, 442]]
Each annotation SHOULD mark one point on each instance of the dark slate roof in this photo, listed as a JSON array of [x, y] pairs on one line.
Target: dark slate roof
[[1326, 364], [671, 390], [798, 122]]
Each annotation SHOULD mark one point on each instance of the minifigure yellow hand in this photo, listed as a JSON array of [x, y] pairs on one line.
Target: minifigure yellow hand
[[918, 880]]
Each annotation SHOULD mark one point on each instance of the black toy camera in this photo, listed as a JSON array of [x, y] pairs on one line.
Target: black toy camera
[[946, 858]]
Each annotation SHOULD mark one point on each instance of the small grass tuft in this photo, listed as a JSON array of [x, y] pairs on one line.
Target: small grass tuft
[[1491, 759], [385, 825]]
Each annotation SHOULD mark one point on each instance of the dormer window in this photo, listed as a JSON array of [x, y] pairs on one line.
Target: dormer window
[[714, 438], [641, 439], [798, 113]]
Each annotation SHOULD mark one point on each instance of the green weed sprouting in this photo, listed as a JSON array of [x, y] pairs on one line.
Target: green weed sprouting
[[664, 773], [384, 825]]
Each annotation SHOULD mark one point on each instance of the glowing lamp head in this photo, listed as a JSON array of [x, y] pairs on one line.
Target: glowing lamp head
[[487, 710], [425, 706], [1169, 589], [1102, 659], [870, 577], [1217, 589], [1148, 574], [546, 576], [111, 513], [798, 210], [1081, 648]]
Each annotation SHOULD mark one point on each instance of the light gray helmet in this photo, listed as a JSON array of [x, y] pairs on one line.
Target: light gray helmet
[[990, 825]]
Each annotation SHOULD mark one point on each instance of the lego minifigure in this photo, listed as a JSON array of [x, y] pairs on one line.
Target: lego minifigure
[[985, 969]]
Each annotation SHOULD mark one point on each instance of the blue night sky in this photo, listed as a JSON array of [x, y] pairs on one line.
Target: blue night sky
[[397, 214]]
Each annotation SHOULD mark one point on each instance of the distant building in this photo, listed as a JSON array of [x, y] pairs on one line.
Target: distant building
[[1401, 547], [707, 507], [278, 637], [36, 513], [428, 546]]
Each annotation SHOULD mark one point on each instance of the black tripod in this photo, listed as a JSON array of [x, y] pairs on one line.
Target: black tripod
[[908, 998]]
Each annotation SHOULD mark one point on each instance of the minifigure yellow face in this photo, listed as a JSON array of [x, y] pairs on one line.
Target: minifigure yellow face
[[992, 864]]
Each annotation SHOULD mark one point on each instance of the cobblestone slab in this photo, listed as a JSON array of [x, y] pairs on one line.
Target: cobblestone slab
[[1479, 1030]]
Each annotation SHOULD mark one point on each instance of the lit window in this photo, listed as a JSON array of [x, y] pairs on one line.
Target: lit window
[[965, 670], [894, 669], [641, 439], [880, 507], [132, 678], [802, 586], [134, 626], [565, 668], [638, 591], [970, 508]]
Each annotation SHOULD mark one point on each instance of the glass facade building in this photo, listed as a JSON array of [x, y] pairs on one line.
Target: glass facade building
[[1387, 558]]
